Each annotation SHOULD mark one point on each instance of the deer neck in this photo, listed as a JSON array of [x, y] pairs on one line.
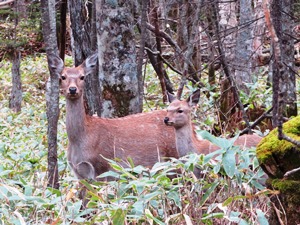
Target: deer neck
[[76, 119], [184, 140]]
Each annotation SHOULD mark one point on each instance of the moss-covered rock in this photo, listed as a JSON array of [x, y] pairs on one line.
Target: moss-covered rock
[[279, 156]]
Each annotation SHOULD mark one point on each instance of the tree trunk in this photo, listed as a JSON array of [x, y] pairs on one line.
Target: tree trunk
[[16, 92], [117, 59], [63, 28], [141, 52], [52, 92], [227, 23], [15, 55], [228, 27], [84, 43], [259, 30], [243, 63], [281, 13]]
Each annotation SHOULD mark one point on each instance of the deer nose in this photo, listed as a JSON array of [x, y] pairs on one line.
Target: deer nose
[[166, 120], [72, 90]]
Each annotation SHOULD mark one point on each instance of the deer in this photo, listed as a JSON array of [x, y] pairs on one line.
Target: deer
[[179, 117], [142, 137]]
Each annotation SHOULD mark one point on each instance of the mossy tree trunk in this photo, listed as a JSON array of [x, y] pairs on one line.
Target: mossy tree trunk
[[277, 157]]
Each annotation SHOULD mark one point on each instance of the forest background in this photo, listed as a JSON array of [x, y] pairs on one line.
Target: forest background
[[243, 55]]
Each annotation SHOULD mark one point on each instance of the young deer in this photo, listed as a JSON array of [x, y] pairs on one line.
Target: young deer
[[179, 116], [143, 137]]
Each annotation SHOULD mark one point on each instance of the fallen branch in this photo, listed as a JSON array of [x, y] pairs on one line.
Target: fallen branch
[[288, 173]]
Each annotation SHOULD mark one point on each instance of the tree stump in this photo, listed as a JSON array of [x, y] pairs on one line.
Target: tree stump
[[277, 157]]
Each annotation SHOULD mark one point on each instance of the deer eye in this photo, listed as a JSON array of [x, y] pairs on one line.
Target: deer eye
[[180, 111], [82, 78], [63, 77]]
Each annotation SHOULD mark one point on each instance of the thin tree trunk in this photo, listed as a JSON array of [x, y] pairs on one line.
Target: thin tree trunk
[[281, 13], [243, 62], [141, 52], [160, 65], [63, 28], [16, 92], [52, 92]]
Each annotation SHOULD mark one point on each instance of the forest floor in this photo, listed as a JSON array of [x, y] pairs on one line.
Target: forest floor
[[140, 195]]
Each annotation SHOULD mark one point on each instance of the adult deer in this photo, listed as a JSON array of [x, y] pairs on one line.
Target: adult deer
[[143, 137], [179, 116]]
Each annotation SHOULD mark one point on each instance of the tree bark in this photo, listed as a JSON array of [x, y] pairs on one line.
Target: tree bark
[[15, 99], [63, 28], [84, 43], [284, 81], [141, 52], [243, 63], [117, 59], [52, 92], [16, 92]]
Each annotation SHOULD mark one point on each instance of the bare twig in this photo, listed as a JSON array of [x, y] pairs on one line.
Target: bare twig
[[181, 85], [257, 121], [289, 173], [171, 42], [289, 139]]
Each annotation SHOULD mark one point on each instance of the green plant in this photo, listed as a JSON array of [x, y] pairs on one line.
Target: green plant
[[227, 190], [168, 193]]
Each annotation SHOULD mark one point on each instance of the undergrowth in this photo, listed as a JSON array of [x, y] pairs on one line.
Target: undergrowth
[[230, 189]]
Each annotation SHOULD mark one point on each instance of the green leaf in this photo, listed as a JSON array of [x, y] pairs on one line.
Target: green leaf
[[231, 199], [118, 217], [138, 208], [5, 172], [262, 220], [151, 195], [150, 216], [213, 215], [217, 168], [221, 142], [208, 192], [211, 155], [110, 173], [229, 163], [174, 195]]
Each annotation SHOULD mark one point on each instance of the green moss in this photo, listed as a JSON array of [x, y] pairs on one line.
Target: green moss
[[290, 188], [276, 156], [270, 145]]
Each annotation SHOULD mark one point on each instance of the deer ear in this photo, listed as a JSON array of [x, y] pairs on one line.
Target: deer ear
[[55, 63], [193, 99], [171, 97], [90, 63]]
